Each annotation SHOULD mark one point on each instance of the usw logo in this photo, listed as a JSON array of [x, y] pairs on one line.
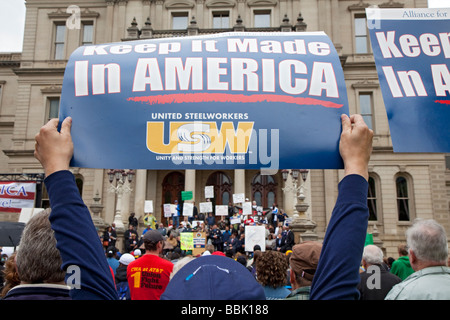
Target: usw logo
[[199, 137]]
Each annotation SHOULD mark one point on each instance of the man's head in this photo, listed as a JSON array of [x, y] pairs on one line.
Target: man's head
[[372, 255], [402, 249], [153, 241], [427, 242], [303, 261], [38, 260]]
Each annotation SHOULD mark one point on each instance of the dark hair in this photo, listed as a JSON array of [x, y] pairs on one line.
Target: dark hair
[[403, 249], [151, 245], [242, 260]]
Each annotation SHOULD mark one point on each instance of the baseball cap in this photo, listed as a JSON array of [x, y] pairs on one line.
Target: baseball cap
[[153, 236], [305, 258], [126, 258]]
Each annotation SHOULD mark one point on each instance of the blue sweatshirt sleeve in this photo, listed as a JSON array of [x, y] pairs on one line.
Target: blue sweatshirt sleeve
[[337, 274], [77, 239]]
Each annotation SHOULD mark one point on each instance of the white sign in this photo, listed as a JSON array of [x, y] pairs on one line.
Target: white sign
[[167, 210], [255, 235], [16, 195], [206, 207], [235, 220], [221, 210], [188, 209], [27, 213], [148, 206], [209, 192], [238, 198], [247, 208]]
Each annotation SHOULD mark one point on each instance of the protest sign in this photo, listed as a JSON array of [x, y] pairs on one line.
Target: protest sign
[[221, 210], [223, 101], [186, 195], [411, 49], [235, 220], [206, 207], [16, 195], [167, 210], [209, 192], [188, 209], [238, 198], [369, 239], [255, 235], [247, 208], [186, 241], [148, 206], [199, 243]]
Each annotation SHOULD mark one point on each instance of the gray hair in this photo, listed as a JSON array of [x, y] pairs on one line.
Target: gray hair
[[38, 260], [372, 254], [180, 264], [428, 241]]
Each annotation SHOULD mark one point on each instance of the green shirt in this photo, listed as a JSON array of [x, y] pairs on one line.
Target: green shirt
[[402, 267], [301, 293]]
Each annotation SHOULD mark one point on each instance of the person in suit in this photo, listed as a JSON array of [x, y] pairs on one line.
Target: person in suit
[[287, 240]]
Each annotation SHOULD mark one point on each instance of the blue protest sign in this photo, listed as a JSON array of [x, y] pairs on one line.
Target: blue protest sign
[[411, 49], [230, 100]]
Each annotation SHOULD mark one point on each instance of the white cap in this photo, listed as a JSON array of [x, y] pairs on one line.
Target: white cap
[[126, 258]]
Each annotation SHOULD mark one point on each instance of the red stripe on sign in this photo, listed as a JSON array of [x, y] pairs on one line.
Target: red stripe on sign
[[235, 98], [10, 210], [28, 196], [442, 101], [17, 190]]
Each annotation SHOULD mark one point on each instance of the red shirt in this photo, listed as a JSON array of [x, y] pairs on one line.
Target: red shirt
[[148, 277], [249, 221]]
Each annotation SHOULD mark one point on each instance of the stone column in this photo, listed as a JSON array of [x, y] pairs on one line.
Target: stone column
[[145, 10], [159, 15], [109, 20], [239, 181], [120, 23], [189, 181], [140, 191]]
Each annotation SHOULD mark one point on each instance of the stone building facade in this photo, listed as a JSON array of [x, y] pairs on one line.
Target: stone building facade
[[402, 186]]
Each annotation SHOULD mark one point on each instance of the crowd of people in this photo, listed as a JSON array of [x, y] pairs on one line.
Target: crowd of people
[[222, 238], [223, 234], [286, 274], [338, 268]]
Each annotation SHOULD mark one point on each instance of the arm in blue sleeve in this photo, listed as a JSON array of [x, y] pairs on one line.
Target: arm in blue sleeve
[[77, 239], [337, 274]]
